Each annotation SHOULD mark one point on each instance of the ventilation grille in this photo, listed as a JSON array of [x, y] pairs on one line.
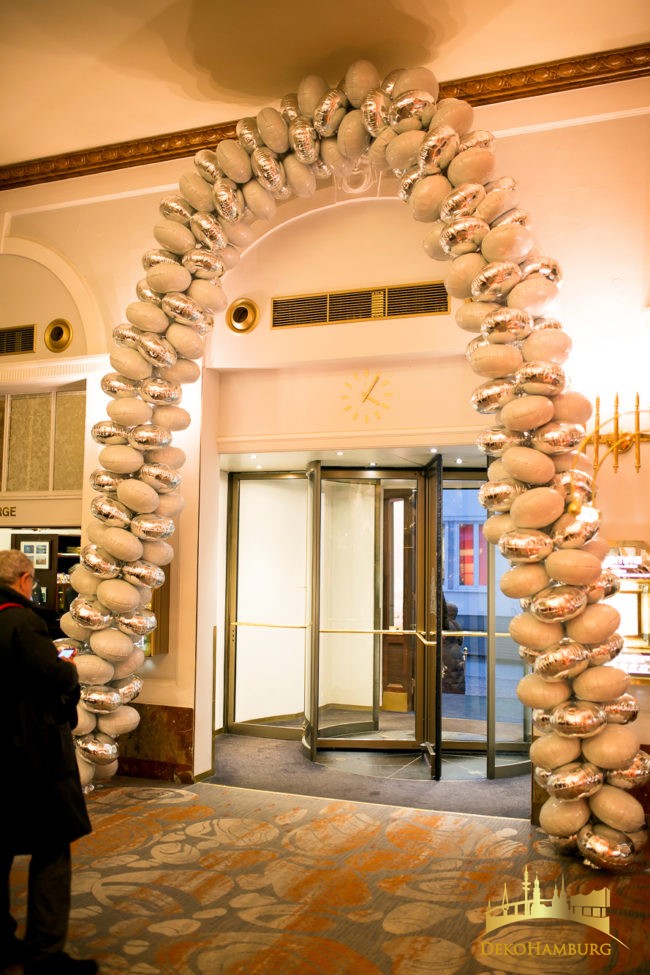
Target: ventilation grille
[[16, 340], [369, 305]]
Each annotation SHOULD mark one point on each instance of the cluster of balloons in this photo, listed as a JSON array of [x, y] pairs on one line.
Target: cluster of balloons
[[539, 493]]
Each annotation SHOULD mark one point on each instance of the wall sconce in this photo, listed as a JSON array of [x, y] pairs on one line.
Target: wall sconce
[[617, 441]]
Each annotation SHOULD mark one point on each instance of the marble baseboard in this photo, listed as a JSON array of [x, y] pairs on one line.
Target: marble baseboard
[[161, 747]]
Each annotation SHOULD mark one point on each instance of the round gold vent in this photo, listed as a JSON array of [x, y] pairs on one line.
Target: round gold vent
[[242, 315], [58, 335]]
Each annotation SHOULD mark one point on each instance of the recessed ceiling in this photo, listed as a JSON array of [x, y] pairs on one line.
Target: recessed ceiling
[[455, 457]]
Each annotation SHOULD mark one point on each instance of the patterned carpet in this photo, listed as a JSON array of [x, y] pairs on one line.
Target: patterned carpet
[[214, 880]]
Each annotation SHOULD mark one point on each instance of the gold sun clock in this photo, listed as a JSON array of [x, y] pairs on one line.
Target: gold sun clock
[[366, 396]]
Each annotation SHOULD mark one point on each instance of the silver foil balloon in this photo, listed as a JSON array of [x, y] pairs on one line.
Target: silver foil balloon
[[496, 440], [204, 264], [604, 653], [562, 661], [89, 613], [156, 256], [575, 485], [462, 201], [375, 110], [622, 710], [496, 280], [491, 395], [606, 585], [161, 391], [208, 231], [463, 235], [515, 215], [228, 200], [162, 477], [407, 182], [146, 436], [205, 161], [636, 772], [604, 847], [97, 748], [438, 149], [119, 387], [574, 531], [174, 207], [559, 603], [182, 308], [110, 511], [578, 719], [303, 140], [289, 106], [144, 292], [499, 495], [507, 325], [418, 104], [576, 780], [525, 545], [329, 113], [557, 437], [474, 344], [99, 562], [546, 266], [142, 573], [128, 688], [105, 481], [543, 378], [100, 698], [390, 81], [542, 775], [138, 624], [248, 134], [156, 349], [268, 170], [126, 336], [479, 139], [541, 719], [151, 526], [108, 432]]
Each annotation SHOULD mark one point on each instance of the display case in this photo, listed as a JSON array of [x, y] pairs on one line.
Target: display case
[[630, 561]]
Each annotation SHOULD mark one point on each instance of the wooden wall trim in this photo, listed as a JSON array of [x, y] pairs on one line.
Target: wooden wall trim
[[602, 68]]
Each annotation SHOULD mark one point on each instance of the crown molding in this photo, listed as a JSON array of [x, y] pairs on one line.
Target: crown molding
[[602, 68]]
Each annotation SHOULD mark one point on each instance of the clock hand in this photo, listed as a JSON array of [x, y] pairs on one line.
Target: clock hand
[[369, 391]]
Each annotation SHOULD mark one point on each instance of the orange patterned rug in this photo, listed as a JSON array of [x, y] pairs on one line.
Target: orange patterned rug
[[213, 880]]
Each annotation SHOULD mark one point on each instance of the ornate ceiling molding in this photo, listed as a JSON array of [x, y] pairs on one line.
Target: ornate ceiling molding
[[499, 86]]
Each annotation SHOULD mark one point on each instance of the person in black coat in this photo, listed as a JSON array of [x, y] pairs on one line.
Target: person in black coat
[[45, 809]]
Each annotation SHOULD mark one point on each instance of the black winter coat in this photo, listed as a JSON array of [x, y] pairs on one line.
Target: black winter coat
[[44, 801]]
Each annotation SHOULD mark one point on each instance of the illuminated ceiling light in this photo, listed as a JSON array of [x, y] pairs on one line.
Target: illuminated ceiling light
[[258, 467], [373, 463], [459, 460], [433, 450], [253, 456], [339, 453]]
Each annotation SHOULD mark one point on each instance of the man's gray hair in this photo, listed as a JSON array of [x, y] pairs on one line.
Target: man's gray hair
[[12, 565]]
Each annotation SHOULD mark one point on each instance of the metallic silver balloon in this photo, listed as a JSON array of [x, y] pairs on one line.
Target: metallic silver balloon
[[490, 396], [541, 378], [182, 308], [144, 292], [462, 201], [479, 139], [606, 585], [499, 495], [303, 140], [575, 780], [542, 775], [547, 266], [375, 110], [515, 215], [105, 481], [151, 526], [126, 336], [162, 477], [329, 113], [248, 134], [173, 207], [208, 231], [525, 545], [496, 440], [495, 281], [205, 161], [540, 717], [97, 748], [142, 573], [137, 624], [289, 106], [507, 325], [109, 432], [578, 719], [622, 710], [99, 562], [228, 199], [560, 603], [636, 772], [156, 349], [604, 653], [463, 235], [156, 256], [110, 511], [607, 848], [438, 149], [119, 387], [128, 688], [575, 485], [268, 170], [574, 531], [390, 81], [89, 613], [415, 104], [562, 661], [146, 436], [557, 437], [407, 182], [160, 391], [473, 345], [100, 699], [204, 264]]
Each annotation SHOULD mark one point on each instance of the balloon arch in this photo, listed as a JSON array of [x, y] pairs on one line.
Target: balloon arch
[[539, 492]]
